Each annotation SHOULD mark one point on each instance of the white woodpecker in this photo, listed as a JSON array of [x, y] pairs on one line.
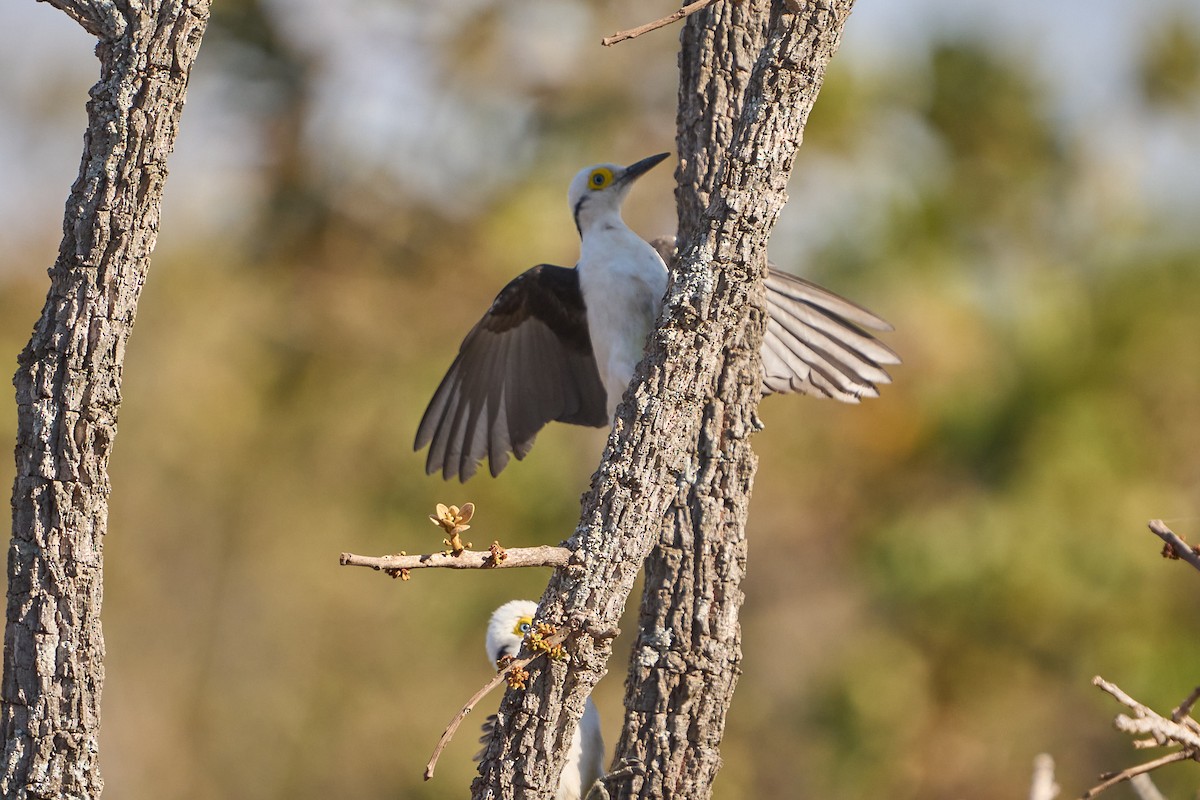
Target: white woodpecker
[[561, 344], [585, 757]]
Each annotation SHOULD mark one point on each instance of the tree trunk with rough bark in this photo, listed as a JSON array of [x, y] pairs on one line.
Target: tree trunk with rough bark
[[678, 467], [685, 663], [68, 387]]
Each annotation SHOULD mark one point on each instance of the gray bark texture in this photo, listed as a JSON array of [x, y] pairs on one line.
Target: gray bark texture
[[677, 472], [685, 662], [68, 388]]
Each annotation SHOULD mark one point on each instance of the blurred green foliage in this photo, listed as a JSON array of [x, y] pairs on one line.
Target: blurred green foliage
[[934, 576], [1170, 68]]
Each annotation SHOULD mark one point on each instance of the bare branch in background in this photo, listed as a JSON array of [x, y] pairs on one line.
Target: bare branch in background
[[633, 33], [1180, 730], [1111, 779], [1184, 709], [1175, 546]]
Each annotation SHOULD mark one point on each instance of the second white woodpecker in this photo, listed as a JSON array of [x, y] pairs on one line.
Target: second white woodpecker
[[585, 757]]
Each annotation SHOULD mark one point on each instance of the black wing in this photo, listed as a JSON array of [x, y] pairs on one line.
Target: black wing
[[815, 342], [489, 725], [527, 362]]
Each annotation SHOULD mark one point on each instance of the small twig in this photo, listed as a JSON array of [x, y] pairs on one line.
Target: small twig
[[1043, 786], [1113, 779], [448, 734], [1184, 709], [1164, 731], [1180, 730], [1147, 721], [1175, 547], [1121, 697], [542, 556], [633, 33], [517, 663]]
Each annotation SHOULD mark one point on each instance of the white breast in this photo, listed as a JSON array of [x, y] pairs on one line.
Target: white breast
[[585, 757], [623, 280]]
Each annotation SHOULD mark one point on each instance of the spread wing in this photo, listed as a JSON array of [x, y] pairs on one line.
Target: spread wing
[[527, 362], [816, 342]]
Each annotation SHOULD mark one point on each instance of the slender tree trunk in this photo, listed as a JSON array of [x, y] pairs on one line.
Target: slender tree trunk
[[69, 392], [680, 450], [685, 663]]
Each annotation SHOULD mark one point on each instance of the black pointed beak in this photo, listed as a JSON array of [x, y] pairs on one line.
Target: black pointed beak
[[640, 168]]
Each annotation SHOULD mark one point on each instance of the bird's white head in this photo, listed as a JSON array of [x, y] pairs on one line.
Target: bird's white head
[[596, 192], [507, 628]]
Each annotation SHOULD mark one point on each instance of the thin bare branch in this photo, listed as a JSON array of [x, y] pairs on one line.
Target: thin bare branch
[[542, 556], [1127, 774], [1147, 721], [633, 33], [101, 18], [1121, 697], [448, 734], [1164, 731], [1183, 711], [1175, 546], [1043, 786], [499, 678], [1180, 730]]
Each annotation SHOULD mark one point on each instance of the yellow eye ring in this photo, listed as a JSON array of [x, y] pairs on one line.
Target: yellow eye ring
[[524, 626], [600, 177]]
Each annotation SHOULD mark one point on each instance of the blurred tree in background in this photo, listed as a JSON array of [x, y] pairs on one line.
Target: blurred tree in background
[[934, 576]]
